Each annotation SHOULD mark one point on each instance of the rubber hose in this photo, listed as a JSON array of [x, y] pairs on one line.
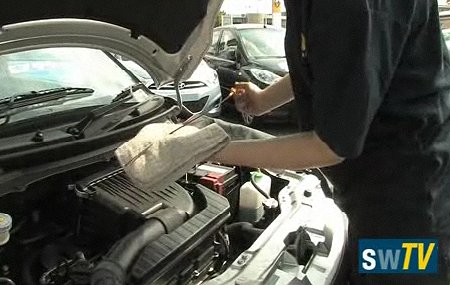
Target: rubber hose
[[252, 180], [112, 270], [245, 229]]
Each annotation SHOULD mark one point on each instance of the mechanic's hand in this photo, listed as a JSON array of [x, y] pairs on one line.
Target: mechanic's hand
[[248, 98]]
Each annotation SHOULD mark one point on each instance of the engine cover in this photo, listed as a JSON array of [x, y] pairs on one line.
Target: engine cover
[[113, 206], [116, 190], [187, 251]]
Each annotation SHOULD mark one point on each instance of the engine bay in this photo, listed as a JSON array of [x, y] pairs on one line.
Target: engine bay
[[92, 225]]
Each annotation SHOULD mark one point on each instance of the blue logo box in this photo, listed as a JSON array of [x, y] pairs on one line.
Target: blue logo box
[[393, 256]]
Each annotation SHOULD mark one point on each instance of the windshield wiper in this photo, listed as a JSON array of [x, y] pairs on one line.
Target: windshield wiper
[[107, 117], [41, 96], [270, 56]]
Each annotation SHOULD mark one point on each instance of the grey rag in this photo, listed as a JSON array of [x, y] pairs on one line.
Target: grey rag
[[169, 156], [174, 155]]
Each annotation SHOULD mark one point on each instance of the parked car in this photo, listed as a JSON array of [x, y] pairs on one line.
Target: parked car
[[69, 214], [446, 33], [202, 87], [250, 52]]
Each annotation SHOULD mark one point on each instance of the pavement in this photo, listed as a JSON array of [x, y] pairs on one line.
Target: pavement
[[277, 128]]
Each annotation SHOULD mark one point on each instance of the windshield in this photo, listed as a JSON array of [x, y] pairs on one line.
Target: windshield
[[263, 43], [42, 69]]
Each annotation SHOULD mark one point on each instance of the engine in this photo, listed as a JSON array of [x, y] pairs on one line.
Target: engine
[[83, 228]]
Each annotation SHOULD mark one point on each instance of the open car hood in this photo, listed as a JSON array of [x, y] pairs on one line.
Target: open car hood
[[167, 38]]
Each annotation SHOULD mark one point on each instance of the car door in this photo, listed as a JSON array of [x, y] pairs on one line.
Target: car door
[[223, 58]]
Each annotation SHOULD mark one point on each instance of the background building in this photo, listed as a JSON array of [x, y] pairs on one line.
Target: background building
[[260, 11], [269, 12]]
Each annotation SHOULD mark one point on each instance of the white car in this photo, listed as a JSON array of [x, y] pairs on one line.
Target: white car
[[202, 87]]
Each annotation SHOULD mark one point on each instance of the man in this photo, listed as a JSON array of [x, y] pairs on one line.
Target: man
[[372, 81]]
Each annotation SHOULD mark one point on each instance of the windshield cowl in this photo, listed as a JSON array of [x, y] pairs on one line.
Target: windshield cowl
[[41, 96]]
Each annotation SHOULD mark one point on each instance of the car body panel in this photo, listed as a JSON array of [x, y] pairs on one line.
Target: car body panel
[[302, 205], [166, 56]]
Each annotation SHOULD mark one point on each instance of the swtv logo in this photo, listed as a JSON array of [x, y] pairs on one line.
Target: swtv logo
[[398, 256]]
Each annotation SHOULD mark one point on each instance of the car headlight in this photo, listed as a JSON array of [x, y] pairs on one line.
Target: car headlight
[[215, 78], [211, 78], [265, 76]]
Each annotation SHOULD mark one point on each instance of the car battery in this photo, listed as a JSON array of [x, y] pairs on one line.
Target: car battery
[[221, 179]]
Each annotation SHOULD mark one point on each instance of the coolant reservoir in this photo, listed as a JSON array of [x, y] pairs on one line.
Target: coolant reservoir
[[5, 226], [251, 200]]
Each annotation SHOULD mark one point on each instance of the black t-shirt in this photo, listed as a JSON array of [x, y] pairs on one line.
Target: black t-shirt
[[372, 79]]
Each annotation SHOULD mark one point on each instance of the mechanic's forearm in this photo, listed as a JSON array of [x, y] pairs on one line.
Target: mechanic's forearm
[[294, 152], [279, 93]]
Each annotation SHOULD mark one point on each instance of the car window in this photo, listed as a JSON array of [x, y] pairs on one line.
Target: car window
[[212, 47], [227, 45]]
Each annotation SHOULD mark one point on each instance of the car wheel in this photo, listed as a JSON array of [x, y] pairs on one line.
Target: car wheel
[[247, 119]]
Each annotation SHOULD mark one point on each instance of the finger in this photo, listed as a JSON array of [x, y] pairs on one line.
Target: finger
[[241, 85], [234, 91], [240, 92]]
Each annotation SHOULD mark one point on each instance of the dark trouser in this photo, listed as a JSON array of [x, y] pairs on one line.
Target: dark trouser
[[395, 201]]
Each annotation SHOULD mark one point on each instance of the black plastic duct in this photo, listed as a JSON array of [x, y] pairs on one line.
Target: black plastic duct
[[112, 270]]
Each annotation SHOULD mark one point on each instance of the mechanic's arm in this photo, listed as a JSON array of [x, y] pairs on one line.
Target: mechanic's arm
[[294, 152], [252, 100]]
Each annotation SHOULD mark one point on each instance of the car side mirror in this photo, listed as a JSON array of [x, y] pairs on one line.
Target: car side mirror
[[238, 58], [231, 54], [235, 56]]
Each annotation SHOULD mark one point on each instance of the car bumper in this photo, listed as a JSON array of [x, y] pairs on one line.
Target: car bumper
[[215, 105], [195, 99], [303, 204]]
